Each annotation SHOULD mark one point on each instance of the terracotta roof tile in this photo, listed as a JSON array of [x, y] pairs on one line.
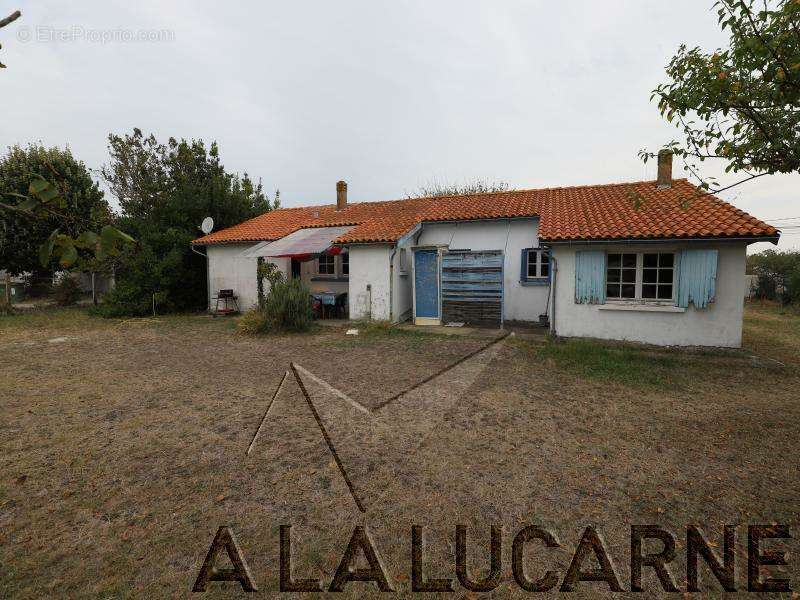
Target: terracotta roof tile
[[597, 212]]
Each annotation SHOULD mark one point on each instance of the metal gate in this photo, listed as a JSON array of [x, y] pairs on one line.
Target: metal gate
[[472, 287]]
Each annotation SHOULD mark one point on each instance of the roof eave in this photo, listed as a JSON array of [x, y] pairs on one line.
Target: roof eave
[[750, 239], [198, 242]]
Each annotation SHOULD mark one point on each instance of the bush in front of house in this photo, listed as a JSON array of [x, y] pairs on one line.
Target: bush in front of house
[[254, 322], [287, 307], [67, 291]]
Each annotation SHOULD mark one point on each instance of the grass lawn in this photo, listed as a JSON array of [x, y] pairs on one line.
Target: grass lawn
[[125, 446]]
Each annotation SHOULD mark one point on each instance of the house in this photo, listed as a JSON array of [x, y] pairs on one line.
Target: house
[[659, 262]]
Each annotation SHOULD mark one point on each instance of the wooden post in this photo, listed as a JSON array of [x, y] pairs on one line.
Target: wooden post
[[94, 293]]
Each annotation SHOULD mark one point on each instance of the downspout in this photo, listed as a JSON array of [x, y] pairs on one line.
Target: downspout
[[208, 278], [554, 269], [391, 284]]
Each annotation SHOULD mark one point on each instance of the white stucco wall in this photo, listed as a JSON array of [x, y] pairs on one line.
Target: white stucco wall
[[718, 325], [401, 293], [228, 270], [369, 266], [521, 303]]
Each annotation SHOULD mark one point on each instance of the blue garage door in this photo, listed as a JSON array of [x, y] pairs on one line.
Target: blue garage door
[[426, 283], [472, 287]]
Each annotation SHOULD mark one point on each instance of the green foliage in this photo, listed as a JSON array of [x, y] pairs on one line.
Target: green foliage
[[739, 103], [47, 223], [778, 275], [270, 272], [478, 186], [165, 191], [287, 307], [66, 291]]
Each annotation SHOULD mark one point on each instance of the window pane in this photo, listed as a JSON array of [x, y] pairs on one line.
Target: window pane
[[629, 261], [650, 275], [649, 291], [614, 260], [613, 276], [545, 258], [629, 275], [650, 260], [665, 276], [612, 290], [345, 264], [665, 292], [628, 291], [531, 269], [545, 269], [666, 260], [531, 257], [326, 264]]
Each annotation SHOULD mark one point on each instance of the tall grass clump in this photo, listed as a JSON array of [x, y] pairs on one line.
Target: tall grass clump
[[287, 307]]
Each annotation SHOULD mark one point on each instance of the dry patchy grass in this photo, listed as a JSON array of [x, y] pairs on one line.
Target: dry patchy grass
[[124, 448]]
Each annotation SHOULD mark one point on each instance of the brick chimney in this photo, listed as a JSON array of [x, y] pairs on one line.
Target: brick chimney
[[341, 195], [664, 179]]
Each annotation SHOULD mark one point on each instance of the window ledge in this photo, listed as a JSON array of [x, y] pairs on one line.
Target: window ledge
[[525, 282], [663, 308]]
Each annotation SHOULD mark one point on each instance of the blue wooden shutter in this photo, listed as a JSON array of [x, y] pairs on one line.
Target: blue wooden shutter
[[523, 270], [697, 277], [590, 277]]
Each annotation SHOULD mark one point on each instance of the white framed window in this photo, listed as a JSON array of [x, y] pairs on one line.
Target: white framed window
[[345, 264], [621, 276], [537, 264], [658, 275], [326, 264], [643, 276]]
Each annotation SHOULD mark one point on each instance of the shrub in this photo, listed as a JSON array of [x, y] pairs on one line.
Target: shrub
[[254, 322], [778, 275], [126, 299], [287, 307], [66, 292]]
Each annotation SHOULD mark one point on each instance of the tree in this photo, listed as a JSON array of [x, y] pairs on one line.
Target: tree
[[50, 216], [164, 192], [7, 21], [477, 186], [740, 104], [778, 274]]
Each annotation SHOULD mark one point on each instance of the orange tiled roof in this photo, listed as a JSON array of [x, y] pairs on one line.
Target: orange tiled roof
[[595, 212]]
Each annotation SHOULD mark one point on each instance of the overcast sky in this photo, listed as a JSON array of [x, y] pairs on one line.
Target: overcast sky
[[386, 95]]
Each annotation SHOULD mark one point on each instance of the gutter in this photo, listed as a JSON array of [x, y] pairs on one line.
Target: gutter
[[554, 273], [751, 239], [391, 284]]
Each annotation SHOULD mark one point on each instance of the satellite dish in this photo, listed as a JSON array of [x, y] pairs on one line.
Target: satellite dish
[[207, 225]]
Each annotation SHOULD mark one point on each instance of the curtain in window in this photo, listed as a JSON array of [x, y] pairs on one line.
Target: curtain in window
[[697, 277], [590, 277]]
